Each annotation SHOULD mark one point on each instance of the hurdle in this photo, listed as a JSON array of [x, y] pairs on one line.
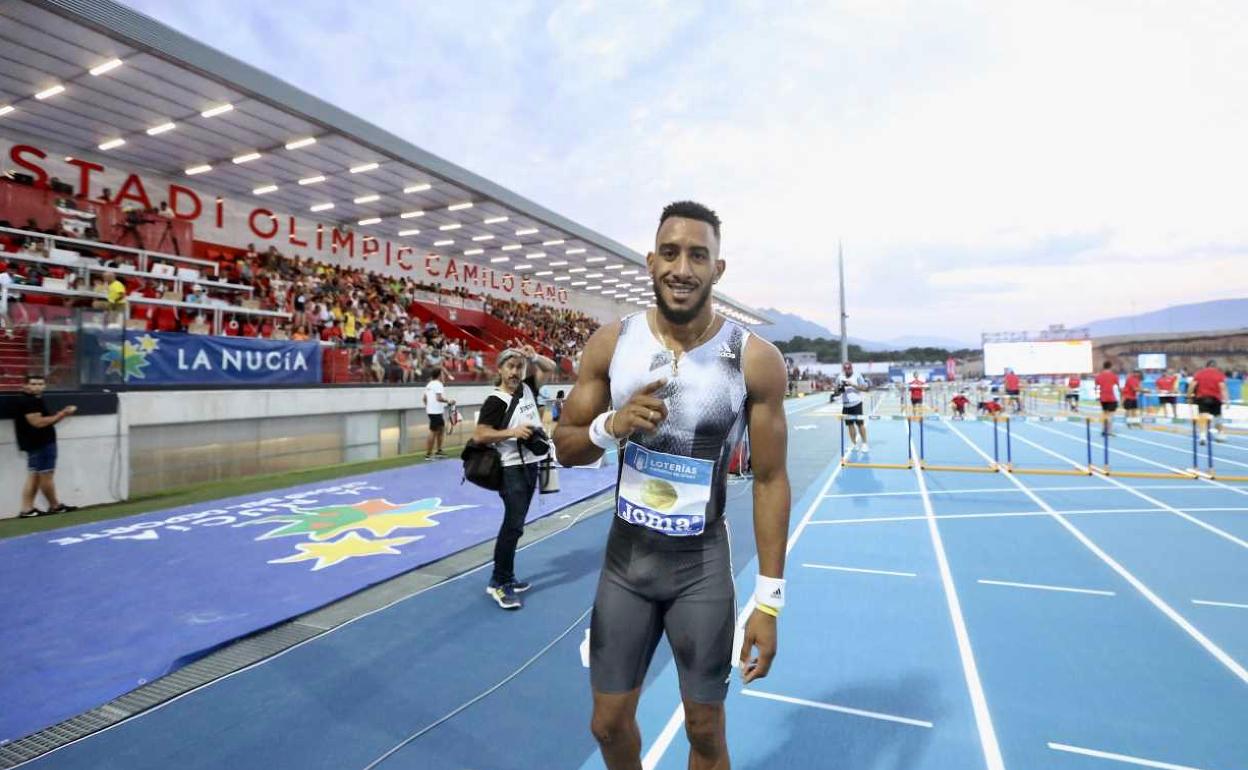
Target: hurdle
[[924, 465], [1085, 470], [1205, 422], [846, 463]]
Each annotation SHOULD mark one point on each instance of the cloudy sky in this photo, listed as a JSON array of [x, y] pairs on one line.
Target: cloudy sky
[[988, 165]]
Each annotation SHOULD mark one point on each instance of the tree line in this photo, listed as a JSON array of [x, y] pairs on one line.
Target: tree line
[[828, 351]]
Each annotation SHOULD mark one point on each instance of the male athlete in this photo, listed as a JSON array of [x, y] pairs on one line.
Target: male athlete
[[1013, 391], [1107, 391], [1167, 387], [674, 389], [850, 387], [1073, 383], [916, 387], [1210, 392]]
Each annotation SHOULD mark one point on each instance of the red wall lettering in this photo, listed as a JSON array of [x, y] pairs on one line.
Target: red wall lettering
[[269, 221], [85, 167], [348, 243], [132, 190], [293, 240], [15, 155], [176, 191], [429, 260]]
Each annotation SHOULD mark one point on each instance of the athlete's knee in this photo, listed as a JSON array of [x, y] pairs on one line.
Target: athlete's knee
[[611, 729], [704, 726]]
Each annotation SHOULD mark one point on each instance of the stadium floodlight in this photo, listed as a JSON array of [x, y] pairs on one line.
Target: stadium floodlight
[[615, 267], [369, 221], [295, 144], [405, 233], [483, 238], [563, 278], [161, 129], [473, 252], [610, 280], [575, 251], [220, 109], [447, 242], [411, 214], [459, 206], [577, 283], [593, 287], [630, 272], [536, 255], [265, 190], [246, 158], [368, 198], [526, 231], [493, 220], [322, 207], [577, 270], [48, 93], [593, 275], [107, 66], [558, 263], [5, 109], [556, 242], [112, 143], [545, 272], [415, 188], [512, 247], [500, 259], [203, 168], [452, 226], [592, 260], [523, 266], [364, 167]]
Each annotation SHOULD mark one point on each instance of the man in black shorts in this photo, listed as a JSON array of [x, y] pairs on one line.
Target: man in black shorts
[[674, 389]]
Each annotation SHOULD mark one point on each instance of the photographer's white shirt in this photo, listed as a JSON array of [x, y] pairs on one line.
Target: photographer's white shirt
[[526, 413]]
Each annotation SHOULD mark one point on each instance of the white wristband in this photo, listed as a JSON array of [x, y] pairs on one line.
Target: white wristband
[[598, 433], [769, 591]]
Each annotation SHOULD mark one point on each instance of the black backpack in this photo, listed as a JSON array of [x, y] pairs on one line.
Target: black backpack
[[483, 465]]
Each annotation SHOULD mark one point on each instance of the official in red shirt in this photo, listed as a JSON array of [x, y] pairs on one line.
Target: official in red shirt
[[1131, 399], [959, 406], [1166, 388], [1013, 388], [1209, 389], [1107, 391], [1073, 384], [917, 387]]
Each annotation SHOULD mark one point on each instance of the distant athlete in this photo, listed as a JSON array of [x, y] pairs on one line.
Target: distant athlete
[[1131, 388], [1167, 390], [959, 406], [1073, 383], [850, 386], [1107, 391], [1013, 390], [674, 389], [916, 388], [1210, 393]]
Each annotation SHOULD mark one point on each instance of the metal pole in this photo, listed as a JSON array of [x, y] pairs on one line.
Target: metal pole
[[1009, 443], [910, 439], [840, 259], [922, 438], [1209, 442], [1087, 424], [842, 421], [996, 441], [1105, 438], [1195, 447]]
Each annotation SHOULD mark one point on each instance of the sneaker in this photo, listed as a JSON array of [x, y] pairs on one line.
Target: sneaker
[[63, 508], [520, 586], [505, 596], [32, 513], [440, 453], [863, 447]]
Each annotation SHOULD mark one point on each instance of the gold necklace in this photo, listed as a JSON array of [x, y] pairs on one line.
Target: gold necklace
[[668, 345]]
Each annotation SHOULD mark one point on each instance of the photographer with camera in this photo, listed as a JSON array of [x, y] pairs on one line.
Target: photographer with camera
[[510, 421]]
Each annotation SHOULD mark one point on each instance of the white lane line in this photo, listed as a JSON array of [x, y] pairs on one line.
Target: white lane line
[[1127, 487], [674, 722], [861, 569], [1004, 515], [1008, 491], [1182, 622], [1040, 587], [1209, 603], [979, 701], [838, 709], [1183, 450], [1130, 760]]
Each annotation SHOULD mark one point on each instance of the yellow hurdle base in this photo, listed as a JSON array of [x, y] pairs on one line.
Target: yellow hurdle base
[[960, 468], [887, 466], [1049, 471], [1146, 474], [1219, 477]]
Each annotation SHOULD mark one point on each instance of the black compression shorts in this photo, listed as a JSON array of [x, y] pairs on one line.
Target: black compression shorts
[[852, 412], [1130, 404], [1206, 405], [653, 584]]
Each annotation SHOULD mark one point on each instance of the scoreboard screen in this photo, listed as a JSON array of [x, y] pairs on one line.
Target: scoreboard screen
[[1056, 357]]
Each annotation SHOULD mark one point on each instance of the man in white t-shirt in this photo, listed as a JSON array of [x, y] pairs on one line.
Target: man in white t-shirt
[[6, 281], [435, 406], [850, 386]]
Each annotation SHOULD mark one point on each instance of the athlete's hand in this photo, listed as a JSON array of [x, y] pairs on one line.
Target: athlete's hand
[[644, 412], [760, 632]]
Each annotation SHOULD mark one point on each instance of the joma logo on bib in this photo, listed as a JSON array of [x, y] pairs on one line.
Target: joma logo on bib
[[672, 525]]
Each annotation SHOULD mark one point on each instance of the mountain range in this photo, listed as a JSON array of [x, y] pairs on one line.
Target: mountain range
[[790, 325]]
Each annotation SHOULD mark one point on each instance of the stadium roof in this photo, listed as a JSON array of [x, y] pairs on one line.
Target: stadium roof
[[87, 74]]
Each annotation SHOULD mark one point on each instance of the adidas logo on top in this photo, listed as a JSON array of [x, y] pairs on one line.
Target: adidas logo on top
[[725, 351]]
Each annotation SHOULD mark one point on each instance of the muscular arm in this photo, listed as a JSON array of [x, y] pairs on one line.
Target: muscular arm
[[37, 420], [766, 383], [589, 397]]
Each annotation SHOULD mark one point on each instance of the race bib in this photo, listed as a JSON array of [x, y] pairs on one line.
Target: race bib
[[664, 492]]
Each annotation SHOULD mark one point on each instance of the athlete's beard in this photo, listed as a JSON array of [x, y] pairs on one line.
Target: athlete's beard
[[680, 317]]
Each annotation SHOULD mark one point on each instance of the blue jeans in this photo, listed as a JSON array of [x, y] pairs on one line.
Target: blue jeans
[[42, 460], [519, 483]]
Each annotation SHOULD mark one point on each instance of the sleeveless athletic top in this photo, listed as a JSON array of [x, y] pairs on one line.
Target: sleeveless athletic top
[[674, 481]]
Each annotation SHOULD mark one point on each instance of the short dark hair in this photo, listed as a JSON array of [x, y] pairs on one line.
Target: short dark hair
[[436, 374], [35, 376], [691, 210], [1108, 364]]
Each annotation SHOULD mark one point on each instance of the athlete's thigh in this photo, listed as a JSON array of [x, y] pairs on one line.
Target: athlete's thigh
[[699, 625], [624, 632]]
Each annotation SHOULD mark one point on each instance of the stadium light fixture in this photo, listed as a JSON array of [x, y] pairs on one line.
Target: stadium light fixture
[[5, 109], [577, 283], [526, 231], [312, 180], [48, 93], [447, 242], [575, 251], [322, 207], [220, 109], [630, 272], [405, 233], [107, 66], [593, 275], [369, 221], [268, 188], [247, 158], [512, 247], [493, 220], [560, 278], [411, 214], [364, 167], [558, 263], [577, 270], [536, 255], [610, 280], [203, 168], [415, 188], [592, 260], [483, 238], [295, 144], [556, 242], [523, 266], [112, 143], [593, 287], [473, 252], [500, 259], [368, 198], [615, 267], [459, 206], [161, 129], [452, 226], [545, 272]]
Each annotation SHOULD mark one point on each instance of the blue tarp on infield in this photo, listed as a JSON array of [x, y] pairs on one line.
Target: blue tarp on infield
[[92, 612]]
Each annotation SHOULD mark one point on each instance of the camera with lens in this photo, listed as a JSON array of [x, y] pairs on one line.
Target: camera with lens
[[538, 443]]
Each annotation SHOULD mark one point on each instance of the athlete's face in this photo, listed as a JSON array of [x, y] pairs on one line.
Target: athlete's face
[[684, 266]]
